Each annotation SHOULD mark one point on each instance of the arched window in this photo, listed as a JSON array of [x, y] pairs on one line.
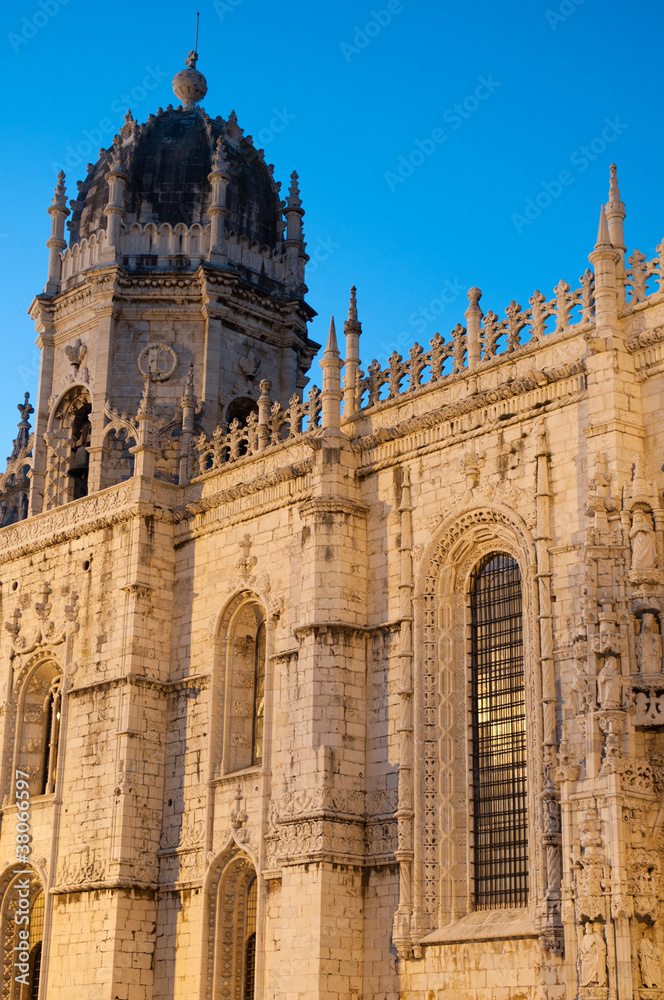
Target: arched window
[[68, 440], [499, 834], [234, 908], [245, 688], [23, 898], [38, 727]]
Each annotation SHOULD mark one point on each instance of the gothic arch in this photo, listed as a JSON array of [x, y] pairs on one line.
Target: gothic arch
[[67, 440], [441, 873], [240, 671], [38, 709], [230, 918], [21, 894]]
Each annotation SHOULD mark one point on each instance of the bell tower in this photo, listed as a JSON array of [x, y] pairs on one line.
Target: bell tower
[[183, 268]]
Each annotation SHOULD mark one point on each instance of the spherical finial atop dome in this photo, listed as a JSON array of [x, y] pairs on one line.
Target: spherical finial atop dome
[[189, 85]]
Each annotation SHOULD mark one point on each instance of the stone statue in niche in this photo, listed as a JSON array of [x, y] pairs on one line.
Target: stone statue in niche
[[650, 962], [649, 645], [592, 958], [609, 684], [579, 688], [644, 549]]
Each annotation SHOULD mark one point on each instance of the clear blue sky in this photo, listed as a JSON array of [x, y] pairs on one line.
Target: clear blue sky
[[356, 91]]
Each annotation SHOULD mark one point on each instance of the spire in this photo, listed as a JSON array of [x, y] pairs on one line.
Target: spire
[[615, 217], [603, 238], [331, 365], [331, 347]]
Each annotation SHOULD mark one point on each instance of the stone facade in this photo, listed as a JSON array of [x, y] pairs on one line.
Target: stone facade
[[237, 640]]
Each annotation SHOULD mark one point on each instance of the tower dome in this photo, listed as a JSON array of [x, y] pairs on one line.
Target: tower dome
[[166, 163]]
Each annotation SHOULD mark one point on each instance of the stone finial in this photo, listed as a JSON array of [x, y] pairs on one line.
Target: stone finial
[[190, 86], [352, 332], [603, 238], [146, 406], [219, 162], [614, 190], [293, 200], [473, 321], [23, 436], [189, 397], [60, 194], [352, 305]]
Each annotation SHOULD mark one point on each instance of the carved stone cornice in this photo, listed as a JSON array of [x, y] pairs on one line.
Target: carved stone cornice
[[333, 505], [645, 339], [73, 520], [281, 475]]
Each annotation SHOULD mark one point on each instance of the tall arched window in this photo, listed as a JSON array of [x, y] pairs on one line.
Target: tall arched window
[[234, 907], [245, 687], [23, 897], [499, 854], [38, 727]]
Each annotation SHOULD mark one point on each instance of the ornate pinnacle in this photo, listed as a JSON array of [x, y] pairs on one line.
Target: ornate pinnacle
[[352, 306], [189, 397], [23, 436], [191, 60], [293, 200], [614, 190], [603, 239], [219, 161], [59, 197], [332, 347], [146, 406]]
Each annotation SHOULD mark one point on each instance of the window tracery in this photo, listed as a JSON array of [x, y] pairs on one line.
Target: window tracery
[[38, 726], [445, 793], [244, 686]]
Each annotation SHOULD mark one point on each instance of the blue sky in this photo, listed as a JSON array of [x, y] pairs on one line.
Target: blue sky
[[424, 135]]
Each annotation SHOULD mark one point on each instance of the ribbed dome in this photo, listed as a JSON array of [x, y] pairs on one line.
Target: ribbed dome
[[167, 161]]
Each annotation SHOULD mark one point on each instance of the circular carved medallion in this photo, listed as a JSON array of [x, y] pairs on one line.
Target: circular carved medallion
[[157, 362]]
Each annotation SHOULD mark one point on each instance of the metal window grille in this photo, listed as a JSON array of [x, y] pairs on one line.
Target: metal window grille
[[498, 719], [250, 946], [35, 943]]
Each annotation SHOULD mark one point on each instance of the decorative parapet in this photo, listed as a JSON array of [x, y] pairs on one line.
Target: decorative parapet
[[270, 426], [644, 277], [167, 246], [566, 310]]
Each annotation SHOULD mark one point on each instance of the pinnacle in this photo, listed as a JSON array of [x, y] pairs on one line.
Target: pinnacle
[[352, 307], [603, 239], [331, 346]]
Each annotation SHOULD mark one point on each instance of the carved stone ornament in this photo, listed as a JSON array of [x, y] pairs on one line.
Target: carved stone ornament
[[45, 632], [157, 362]]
